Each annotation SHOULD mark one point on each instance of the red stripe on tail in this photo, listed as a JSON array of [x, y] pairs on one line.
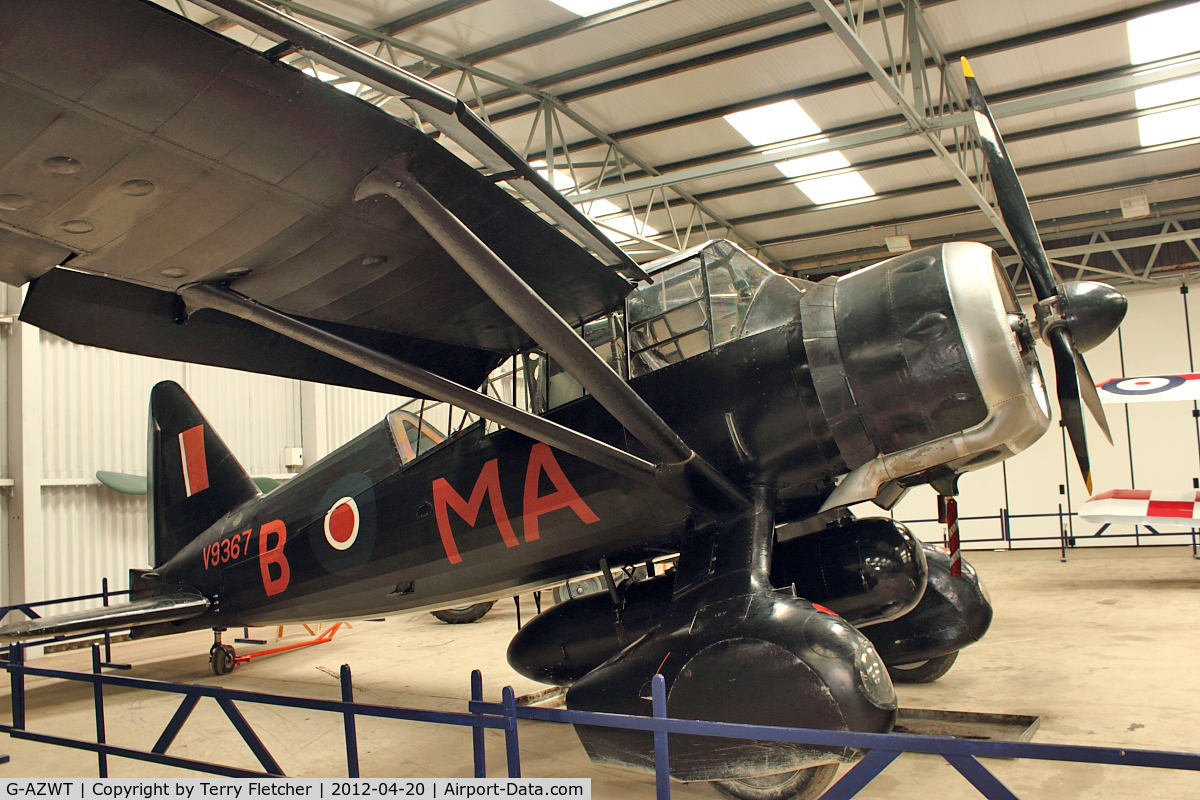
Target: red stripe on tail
[[195, 468]]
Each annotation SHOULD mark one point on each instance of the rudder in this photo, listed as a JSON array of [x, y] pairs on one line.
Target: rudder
[[194, 479]]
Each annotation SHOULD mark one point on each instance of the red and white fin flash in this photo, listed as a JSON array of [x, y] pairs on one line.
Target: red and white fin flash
[[195, 467]]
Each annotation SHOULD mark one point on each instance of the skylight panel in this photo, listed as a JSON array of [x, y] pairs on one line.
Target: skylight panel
[[774, 123], [1162, 35], [586, 8], [779, 122], [1169, 126], [604, 211], [1164, 93], [835, 188]]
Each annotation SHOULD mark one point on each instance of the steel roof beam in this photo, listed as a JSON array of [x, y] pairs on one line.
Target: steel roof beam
[[865, 134], [988, 236], [559, 31], [922, 155], [924, 188], [687, 64], [662, 48], [986, 48]]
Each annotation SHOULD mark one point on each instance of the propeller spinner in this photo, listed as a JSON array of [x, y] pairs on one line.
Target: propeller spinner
[[1071, 317]]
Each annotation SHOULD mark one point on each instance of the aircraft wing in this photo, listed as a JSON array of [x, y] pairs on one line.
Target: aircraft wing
[[144, 152], [166, 608], [1150, 389], [1160, 509]]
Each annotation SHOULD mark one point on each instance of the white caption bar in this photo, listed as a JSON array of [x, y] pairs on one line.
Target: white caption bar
[[315, 789]]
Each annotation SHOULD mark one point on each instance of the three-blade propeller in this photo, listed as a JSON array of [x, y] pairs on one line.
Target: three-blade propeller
[[1071, 317]]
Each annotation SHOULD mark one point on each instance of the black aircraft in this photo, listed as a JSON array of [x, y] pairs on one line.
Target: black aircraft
[[168, 192]]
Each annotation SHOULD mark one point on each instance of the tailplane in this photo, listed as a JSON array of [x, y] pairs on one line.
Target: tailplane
[[194, 479]]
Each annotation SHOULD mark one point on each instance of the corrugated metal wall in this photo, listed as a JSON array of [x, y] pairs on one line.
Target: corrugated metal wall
[[349, 412]]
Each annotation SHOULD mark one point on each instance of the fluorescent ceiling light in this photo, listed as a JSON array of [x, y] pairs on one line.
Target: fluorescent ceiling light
[[1169, 126], [787, 120], [835, 188], [774, 123], [602, 210], [1162, 35], [585, 8]]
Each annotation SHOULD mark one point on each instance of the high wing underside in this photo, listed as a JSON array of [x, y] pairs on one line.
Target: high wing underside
[[148, 153]]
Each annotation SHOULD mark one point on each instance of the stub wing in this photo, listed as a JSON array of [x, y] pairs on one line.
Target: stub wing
[[166, 608], [1150, 389], [1156, 508]]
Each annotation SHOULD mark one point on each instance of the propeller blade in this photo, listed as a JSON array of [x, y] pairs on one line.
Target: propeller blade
[[1068, 399], [1091, 397], [1014, 206]]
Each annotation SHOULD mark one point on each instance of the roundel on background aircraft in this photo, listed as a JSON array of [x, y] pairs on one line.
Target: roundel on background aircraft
[[342, 533], [1153, 384]]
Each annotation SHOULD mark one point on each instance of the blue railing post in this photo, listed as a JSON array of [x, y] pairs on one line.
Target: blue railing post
[[476, 731], [98, 691], [107, 636], [351, 730], [510, 734], [662, 760], [16, 680]]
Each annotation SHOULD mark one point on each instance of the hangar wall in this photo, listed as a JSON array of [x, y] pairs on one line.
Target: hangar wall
[[73, 410]]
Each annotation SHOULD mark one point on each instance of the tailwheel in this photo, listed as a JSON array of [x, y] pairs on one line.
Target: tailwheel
[[926, 671], [222, 658], [802, 784]]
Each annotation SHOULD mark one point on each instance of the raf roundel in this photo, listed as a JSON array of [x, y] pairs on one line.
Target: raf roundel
[[341, 524], [1139, 386]]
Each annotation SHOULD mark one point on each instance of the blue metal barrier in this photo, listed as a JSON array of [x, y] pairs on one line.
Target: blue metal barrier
[[880, 749], [227, 700]]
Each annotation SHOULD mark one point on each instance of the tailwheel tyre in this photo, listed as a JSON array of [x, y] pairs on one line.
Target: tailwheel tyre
[[802, 784], [923, 671], [221, 658], [457, 616]]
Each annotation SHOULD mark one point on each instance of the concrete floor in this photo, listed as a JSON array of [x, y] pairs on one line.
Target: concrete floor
[[1104, 648]]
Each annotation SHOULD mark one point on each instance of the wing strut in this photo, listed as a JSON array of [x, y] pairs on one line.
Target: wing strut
[[220, 298], [679, 464]]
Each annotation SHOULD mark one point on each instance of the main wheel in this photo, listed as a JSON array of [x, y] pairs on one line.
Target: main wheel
[[457, 616], [221, 658], [923, 671], [803, 784]]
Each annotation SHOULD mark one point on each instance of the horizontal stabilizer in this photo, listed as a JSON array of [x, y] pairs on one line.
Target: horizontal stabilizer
[[1153, 507], [167, 608]]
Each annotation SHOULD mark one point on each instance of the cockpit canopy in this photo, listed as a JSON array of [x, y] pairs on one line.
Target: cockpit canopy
[[699, 299]]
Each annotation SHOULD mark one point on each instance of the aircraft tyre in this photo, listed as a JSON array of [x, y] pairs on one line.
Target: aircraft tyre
[[801, 784], [923, 671], [221, 658], [457, 616]]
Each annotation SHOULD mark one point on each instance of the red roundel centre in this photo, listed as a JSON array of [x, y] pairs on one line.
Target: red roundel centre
[[341, 524]]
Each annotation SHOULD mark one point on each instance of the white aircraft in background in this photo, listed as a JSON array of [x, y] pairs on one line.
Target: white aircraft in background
[[1154, 508]]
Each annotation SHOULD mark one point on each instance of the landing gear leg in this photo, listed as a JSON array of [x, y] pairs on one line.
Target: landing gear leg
[[221, 657]]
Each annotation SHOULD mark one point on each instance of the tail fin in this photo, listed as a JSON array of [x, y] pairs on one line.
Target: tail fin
[[194, 478]]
